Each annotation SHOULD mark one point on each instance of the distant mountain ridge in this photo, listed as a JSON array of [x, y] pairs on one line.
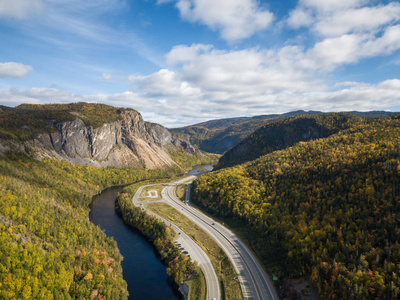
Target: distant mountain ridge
[[285, 133], [93, 134], [218, 136]]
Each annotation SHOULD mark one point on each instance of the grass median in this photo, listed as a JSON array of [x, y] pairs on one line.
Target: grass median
[[180, 191], [230, 287]]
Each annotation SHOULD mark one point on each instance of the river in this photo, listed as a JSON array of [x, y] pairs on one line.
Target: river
[[142, 269]]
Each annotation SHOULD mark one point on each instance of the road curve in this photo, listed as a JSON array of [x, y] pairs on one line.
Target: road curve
[[196, 252], [254, 281]]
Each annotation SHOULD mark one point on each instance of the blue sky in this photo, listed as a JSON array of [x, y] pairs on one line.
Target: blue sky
[[180, 62]]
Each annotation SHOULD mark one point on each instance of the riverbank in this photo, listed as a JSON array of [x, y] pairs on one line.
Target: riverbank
[[180, 267], [143, 269]]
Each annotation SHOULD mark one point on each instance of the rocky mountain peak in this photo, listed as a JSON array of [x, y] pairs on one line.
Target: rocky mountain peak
[[126, 142]]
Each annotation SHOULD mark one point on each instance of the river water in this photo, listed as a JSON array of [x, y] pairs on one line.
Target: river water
[[198, 170], [142, 269]]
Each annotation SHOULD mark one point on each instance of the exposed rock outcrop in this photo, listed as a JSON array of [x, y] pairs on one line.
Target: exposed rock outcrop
[[130, 142]]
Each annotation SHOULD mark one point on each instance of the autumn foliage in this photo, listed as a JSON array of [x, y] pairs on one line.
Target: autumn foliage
[[331, 206], [48, 247]]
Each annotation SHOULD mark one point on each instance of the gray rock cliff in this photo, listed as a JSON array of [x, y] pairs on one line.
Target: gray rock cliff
[[130, 142]]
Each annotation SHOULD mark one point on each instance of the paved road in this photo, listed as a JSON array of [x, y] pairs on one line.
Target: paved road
[[194, 250], [254, 281]]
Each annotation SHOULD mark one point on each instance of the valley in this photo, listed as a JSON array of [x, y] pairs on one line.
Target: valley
[[291, 189]]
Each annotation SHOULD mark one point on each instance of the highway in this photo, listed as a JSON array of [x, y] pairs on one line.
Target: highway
[[254, 282], [194, 250]]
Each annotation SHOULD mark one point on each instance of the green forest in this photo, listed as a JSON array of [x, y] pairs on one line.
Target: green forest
[[328, 208], [48, 247]]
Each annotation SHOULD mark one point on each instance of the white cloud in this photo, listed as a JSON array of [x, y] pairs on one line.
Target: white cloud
[[211, 83], [347, 30], [331, 5], [364, 19], [12, 69], [350, 48], [334, 18], [106, 76], [300, 17], [163, 83], [182, 53], [235, 19], [19, 8], [243, 70]]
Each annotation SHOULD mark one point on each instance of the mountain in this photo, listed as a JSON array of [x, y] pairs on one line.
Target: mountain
[[93, 134], [284, 133], [218, 136], [327, 209]]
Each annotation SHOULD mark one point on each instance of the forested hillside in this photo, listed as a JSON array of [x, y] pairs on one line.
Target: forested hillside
[[218, 136], [48, 247], [285, 133], [330, 207]]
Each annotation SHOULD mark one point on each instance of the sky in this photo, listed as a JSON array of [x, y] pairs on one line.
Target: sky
[[181, 62]]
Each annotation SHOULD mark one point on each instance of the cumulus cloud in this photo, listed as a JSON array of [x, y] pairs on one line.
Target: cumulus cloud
[[19, 8], [164, 83], [347, 31], [334, 18], [210, 83], [359, 20], [12, 69], [240, 71], [350, 48], [235, 19]]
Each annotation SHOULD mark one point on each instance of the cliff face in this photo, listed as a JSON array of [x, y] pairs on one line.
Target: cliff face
[[130, 142]]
